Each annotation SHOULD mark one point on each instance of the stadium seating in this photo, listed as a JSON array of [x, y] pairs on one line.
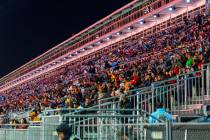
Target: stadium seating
[[178, 50]]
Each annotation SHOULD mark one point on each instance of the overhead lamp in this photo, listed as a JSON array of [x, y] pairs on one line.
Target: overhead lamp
[[156, 15], [99, 42], [142, 22], [188, 1], [108, 38], [119, 33], [172, 8], [130, 28]]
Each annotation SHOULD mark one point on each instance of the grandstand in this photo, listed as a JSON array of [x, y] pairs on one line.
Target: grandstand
[[108, 79]]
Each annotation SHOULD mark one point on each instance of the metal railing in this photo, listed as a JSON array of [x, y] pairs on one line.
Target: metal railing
[[181, 95], [114, 128], [184, 93]]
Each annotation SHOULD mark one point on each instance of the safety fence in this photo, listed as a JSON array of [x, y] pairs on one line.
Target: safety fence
[[112, 127], [182, 95]]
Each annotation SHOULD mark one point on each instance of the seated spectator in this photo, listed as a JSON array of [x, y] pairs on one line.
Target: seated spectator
[[34, 116], [77, 105], [14, 123], [23, 124]]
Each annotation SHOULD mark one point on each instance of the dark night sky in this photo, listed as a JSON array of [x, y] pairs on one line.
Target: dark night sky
[[31, 27]]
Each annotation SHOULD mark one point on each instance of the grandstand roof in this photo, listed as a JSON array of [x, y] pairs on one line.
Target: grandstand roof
[[72, 40], [163, 9]]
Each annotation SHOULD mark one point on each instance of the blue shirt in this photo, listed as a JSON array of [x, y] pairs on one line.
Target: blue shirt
[[156, 115]]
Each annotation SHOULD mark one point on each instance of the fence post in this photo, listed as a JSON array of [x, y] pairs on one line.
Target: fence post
[[99, 120], [99, 105], [185, 91], [153, 93], [178, 92], [168, 130], [141, 119], [203, 80], [208, 80]]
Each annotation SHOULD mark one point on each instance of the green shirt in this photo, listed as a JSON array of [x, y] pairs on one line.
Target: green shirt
[[189, 62]]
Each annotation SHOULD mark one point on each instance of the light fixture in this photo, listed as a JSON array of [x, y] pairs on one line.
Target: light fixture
[[99, 42], [172, 8], [129, 28], [142, 22], [119, 33], [156, 15], [188, 1], [108, 38]]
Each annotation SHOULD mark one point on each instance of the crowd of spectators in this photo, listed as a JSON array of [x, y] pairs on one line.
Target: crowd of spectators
[[179, 49]]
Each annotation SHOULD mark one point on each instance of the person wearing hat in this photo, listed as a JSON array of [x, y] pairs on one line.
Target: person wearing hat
[[65, 132]]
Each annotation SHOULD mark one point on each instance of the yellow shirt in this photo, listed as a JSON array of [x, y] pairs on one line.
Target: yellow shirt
[[36, 119]]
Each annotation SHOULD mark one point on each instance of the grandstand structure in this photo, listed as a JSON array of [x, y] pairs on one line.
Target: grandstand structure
[[184, 94], [96, 37]]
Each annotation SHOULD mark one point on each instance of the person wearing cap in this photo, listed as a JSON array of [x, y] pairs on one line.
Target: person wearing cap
[[65, 132]]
